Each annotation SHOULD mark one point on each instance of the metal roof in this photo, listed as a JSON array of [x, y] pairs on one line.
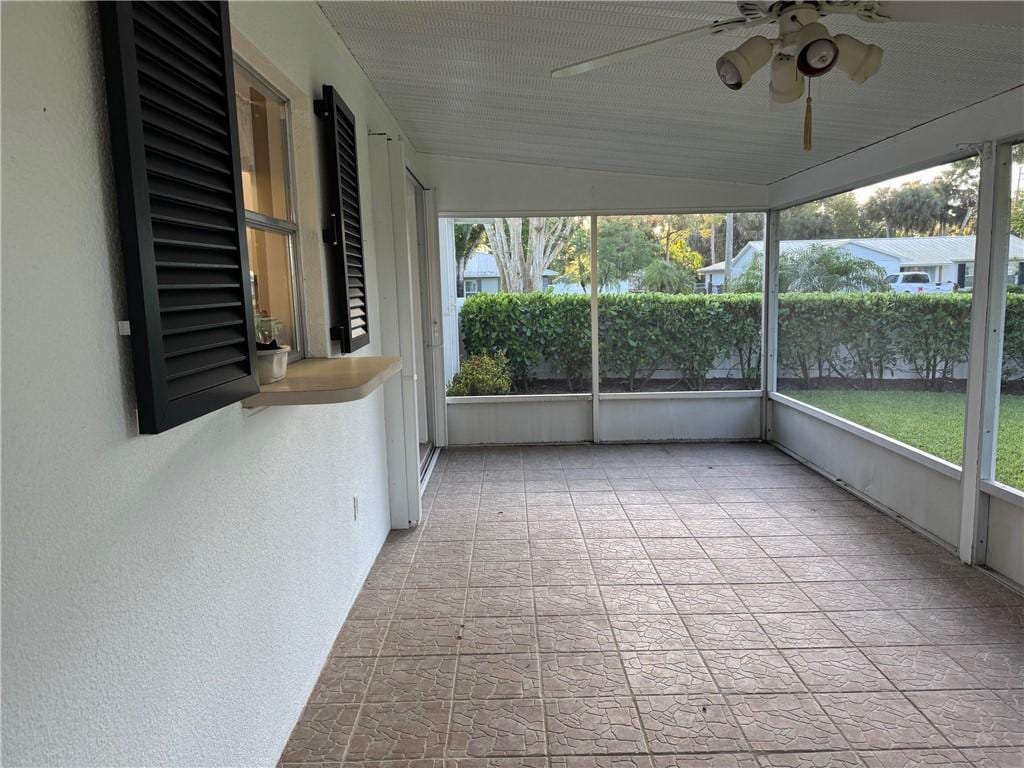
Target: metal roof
[[909, 251], [482, 264]]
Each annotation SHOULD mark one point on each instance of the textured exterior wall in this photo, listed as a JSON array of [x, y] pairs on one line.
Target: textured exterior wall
[[169, 599]]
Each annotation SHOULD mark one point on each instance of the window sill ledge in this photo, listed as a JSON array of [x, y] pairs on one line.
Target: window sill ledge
[[322, 380]]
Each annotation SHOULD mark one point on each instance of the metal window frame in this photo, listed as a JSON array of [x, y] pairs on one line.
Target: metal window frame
[[288, 227]]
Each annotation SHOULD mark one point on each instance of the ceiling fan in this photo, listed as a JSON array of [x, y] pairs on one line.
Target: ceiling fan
[[803, 49]]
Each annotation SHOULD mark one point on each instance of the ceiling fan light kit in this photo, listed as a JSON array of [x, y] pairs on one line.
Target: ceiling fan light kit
[[804, 48]]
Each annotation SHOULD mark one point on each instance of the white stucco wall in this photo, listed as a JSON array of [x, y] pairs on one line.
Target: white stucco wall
[[169, 599]]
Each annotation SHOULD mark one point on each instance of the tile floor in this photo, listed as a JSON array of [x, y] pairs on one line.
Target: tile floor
[[650, 606]]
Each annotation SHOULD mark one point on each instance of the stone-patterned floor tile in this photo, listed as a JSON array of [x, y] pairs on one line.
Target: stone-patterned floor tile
[[608, 529], [697, 570], [760, 570], [430, 603], [514, 573], [785, 722], [788, 546], [880, 720], [574, 634], [995, 757], [594, 497], [842, 596], [555, 529], [617, 549], [650, 529], [730, 547], [593, 726], [920, 667], [600, 512], [497, 728], [814, 569], [444, 551], [773, 598], [667, 672], [582, 675], [343, 680], [489, 551], [711, 760], [649, 512], [699, 723], [669, 548], [726, 631], [374, 604], [321, 735], [915, 758], [992, 666], [877, 628], [412, 678], [497, 676], [956, 626], [558, 549], [637, 599], [434, 575], [844, 759], [491, 762], [650, 633], [360, 638], [972, 718], [705, 598], [568, 600], [752, 671], [502, 634], [499, 601], [801, 630], [421, 637], [563, 573], [836, 670], [602, 761], [707, 527], [613, 572], [400, 731]]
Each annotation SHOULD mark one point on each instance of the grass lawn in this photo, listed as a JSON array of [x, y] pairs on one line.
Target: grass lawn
[[930, 421]]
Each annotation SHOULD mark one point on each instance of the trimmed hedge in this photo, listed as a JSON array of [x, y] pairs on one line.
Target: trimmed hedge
[[862, 336]]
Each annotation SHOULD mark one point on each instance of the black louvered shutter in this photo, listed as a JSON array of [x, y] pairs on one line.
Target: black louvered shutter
[[344, 231], [170, 95]]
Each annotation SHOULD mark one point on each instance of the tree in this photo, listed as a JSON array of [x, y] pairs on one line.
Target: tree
[[818, 268], [624, 247], [468, 240], [667, 277], [524, 248], [911, 209], [1017, 214], [957, 188], [843, 214], [806, 222]]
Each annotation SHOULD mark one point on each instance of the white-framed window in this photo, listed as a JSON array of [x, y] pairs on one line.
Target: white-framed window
[[270, 221], [469, 287]]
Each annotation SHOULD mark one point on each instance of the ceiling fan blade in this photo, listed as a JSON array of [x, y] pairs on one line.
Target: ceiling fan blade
[[662, 42], [978, 12]]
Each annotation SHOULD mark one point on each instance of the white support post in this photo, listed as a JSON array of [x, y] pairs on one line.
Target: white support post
[[435, 333], [986, 348], [769, 321], [595, 290]]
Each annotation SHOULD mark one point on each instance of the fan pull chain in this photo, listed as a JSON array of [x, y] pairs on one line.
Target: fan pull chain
[[807, 123]]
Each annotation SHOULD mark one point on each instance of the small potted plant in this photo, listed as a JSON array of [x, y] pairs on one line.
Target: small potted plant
[[271, 357]]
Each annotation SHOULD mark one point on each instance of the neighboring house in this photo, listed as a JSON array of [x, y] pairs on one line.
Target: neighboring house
[[943, 258], [481, 276]]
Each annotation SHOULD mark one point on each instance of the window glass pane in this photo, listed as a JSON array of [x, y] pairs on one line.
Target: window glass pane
[[524, 317], [1010, 445], [888, 353], [263, 130], [271, 282], [678, 310]]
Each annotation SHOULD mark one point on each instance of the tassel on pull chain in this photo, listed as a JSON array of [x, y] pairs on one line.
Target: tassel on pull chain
[[807, 125]]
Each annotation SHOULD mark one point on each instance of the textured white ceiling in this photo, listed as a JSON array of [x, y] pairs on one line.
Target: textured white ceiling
[[472, 80]]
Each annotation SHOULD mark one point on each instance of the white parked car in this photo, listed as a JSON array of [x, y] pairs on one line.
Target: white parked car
[[918, 282]]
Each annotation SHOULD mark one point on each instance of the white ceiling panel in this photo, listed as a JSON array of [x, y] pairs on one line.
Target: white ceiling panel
[[472, 80]]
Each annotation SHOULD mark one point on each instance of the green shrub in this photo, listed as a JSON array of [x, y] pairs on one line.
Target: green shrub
[[866, 336], [482, 375]]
